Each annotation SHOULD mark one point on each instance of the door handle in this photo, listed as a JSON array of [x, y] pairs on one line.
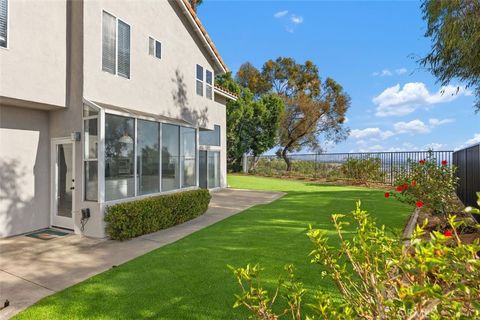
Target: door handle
[[72, 188]]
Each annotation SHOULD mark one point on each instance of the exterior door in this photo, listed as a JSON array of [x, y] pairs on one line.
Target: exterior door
[[63, 183]]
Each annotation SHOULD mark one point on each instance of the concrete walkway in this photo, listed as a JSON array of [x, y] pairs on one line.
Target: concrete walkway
[[31, 269]]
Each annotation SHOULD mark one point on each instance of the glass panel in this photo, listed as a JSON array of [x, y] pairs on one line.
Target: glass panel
[[91, 181], [119, 157], [170, 157], [199, 72], [213, 169], [89, 111], [3, 23], [158, 49], [199, 88], [148, 157], [209, 92], [90, 138], [202, 165], [189, 154], [64, 180], [210, 137], [109, 30], [209, 77], [123, 49], [151, 46]]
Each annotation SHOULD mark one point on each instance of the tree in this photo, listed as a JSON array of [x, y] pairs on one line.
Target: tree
[[195, 4], [250, 77], [312, 109], [454, 29], [252, 123]]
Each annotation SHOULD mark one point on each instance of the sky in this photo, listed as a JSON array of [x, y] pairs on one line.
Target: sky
[[371, 49]]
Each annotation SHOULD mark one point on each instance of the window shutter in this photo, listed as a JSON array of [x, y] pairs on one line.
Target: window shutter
[[123, 49], [3, 22], [151, 46], [108, 42]]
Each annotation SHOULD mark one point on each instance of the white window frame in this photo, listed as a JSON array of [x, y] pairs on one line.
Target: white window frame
[[202, 81], [155, 41], [116, 45], [98, 117], [209, 85]]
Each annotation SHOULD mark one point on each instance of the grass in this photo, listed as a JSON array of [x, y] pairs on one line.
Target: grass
[[189, 279]]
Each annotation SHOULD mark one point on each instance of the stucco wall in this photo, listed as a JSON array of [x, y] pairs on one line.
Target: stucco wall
[[163, 86], [33, 67], [24, 170]]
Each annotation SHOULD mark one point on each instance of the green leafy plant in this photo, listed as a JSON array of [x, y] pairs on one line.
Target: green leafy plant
[[132, 219], [363, 170], [378, 276], [472, 209], [428, 184]]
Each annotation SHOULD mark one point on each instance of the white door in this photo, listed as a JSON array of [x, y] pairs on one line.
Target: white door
[[63, 183]]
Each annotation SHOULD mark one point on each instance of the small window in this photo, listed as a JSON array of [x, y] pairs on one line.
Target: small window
[[209, 80], [199, 80], [210, 137], [115, 46], [3, 23], [154, 48]]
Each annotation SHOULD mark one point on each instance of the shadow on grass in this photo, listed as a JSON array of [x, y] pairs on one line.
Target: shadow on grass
[[189, 279]]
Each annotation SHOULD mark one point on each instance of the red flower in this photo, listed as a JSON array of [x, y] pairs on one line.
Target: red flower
[[422, 162], [448, 233], [387, 194], [405, 186], [399, 188], [419, 203], [444, 162], [414, 183]]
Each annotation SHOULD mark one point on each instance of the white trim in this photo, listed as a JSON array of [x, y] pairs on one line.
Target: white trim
[[64, 222], [224, 93]]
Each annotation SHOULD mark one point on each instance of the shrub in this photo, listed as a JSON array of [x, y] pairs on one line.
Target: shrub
[[363, 170], [132, 219], [378, 277], [428, 184]]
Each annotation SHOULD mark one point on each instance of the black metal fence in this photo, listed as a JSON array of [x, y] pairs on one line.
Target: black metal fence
[[328, 165], [467, 162]]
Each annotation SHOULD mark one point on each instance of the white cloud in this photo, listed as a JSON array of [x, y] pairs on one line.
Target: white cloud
[[412, 127], [280, 14], [296, 19], [469, 142], [438, 122], [372, 133], [433, 146], [398, 101], [389, 73]]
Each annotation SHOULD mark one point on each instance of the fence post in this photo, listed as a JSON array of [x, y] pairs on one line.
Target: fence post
[[391, 168]]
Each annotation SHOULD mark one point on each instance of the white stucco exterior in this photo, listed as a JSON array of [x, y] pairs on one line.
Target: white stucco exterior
[[61, 70]]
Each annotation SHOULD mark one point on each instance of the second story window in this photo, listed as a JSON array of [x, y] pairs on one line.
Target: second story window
[[115, 46], [199, 80], [3, 23], [209, 81], [154, 48]]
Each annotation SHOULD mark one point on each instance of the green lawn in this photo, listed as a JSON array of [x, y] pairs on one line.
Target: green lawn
[[189, 279]]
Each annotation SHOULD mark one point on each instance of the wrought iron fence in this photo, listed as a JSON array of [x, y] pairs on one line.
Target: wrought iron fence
[[467, 162], [329, 165]]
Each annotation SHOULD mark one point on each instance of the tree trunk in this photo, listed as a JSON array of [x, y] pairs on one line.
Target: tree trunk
[[287, 160]]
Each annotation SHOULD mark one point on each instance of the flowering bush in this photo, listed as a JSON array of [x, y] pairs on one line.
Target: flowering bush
[[428, 184], [377, 276]]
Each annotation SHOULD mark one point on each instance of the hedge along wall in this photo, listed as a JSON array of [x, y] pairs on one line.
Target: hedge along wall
[[132, 219]]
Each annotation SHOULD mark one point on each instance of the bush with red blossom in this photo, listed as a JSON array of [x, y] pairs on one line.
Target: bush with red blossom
[[429, 184]]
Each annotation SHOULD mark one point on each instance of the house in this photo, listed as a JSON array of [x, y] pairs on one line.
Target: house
[[101, 102]]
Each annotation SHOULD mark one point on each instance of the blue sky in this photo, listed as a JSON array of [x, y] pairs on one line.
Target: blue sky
[[371, 49]]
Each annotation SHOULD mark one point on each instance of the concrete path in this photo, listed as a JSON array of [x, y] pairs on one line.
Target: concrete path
[[31, 269]]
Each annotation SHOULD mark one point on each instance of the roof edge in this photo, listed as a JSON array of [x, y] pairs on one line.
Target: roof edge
[[196, 23]]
